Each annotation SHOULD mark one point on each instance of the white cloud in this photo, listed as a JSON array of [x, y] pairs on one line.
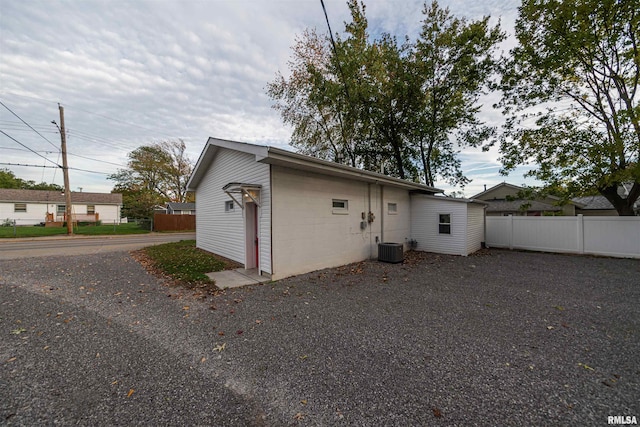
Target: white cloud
[[131, 73]]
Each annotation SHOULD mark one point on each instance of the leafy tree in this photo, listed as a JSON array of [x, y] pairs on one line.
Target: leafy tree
[[455, 59], [157, 174], [381, 104], [9, 180], [570, 92]]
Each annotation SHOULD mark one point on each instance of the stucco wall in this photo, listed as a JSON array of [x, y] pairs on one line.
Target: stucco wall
[[308, 234], [397, 226]]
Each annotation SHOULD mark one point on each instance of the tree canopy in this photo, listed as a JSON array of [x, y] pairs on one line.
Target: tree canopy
[[156, 174], [378, 104], [570, 93], [9, 180]]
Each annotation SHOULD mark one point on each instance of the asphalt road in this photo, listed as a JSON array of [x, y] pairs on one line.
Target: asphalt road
[[501, 338], [83, 245]]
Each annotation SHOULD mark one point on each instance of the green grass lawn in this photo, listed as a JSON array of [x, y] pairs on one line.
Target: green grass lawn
[[186, 263], [91, 230]]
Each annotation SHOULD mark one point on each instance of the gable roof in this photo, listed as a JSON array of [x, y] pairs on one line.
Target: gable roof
[[189, 206], [45, 196], [515, 188], [594, 202], [280, 157], [546, 203]]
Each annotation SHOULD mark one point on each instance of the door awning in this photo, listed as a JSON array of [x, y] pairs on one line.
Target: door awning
[[243, 192]]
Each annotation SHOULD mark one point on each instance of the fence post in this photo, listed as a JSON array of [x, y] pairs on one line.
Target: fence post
[[580, 231], [510, 231]]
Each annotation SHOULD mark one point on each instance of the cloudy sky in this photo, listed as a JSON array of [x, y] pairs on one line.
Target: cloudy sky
[[130, 73]]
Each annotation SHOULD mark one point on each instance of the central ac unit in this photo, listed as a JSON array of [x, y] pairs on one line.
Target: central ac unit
[[390, 252]]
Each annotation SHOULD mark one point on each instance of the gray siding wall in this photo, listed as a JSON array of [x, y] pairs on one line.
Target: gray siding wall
[[424, 225], [475, 227], [223, 232]]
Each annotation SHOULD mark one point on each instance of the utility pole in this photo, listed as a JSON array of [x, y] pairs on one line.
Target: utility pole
[[65, 172]]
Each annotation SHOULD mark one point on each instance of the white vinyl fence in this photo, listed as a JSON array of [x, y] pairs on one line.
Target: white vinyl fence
[[597, 235]]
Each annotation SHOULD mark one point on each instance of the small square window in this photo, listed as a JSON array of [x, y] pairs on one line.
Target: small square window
[[20, 207], [228, 206], [444, 223], [61, 209], [392, 208], [91, 209], [340, 206]]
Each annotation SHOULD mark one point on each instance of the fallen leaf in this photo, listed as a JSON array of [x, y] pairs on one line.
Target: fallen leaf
[[437, 413], [550, 328], [220, 347], [586, 366], [239, 331], [304, 356], [186, 307], [18, 331], [204, 359], [298, 416], [303, 401], [115, 382], [11, 359], [221, 333], [258, 321], [131, 391]]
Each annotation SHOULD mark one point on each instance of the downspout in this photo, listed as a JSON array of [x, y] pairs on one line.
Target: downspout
[[364, 219], [381, 214], [271, 204]]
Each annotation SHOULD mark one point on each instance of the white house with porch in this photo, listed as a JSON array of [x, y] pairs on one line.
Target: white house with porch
[[284, 213], [31, 207]]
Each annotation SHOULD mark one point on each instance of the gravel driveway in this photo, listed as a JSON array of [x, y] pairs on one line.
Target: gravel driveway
[[501, 338]]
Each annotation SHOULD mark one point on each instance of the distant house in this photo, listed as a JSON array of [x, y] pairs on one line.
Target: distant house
[[174, 208], [31, 207], [503, 199], [284, 213], [595, 206]]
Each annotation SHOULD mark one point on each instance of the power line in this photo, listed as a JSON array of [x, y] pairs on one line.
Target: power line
[[33, 151], [31, 166], [97, 160], [31, 127]]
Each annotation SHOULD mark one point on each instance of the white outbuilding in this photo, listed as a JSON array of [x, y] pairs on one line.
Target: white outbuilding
[[284, 213]]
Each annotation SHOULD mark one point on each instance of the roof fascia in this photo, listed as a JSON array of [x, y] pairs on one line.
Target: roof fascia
[[210, 151], [279, 157]]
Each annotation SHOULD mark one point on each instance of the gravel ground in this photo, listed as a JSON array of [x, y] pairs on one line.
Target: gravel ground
[[500, 338]]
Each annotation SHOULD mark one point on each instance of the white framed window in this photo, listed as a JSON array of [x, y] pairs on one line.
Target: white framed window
[[60, 209], [20, 207], [91, 209], [392, 208], [228, 206], [340, 206], [444, 223]]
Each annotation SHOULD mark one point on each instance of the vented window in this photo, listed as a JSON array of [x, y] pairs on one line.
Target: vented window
[[392, 208], [340, 206], [61, 209], [91, 209], [20, 207]]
